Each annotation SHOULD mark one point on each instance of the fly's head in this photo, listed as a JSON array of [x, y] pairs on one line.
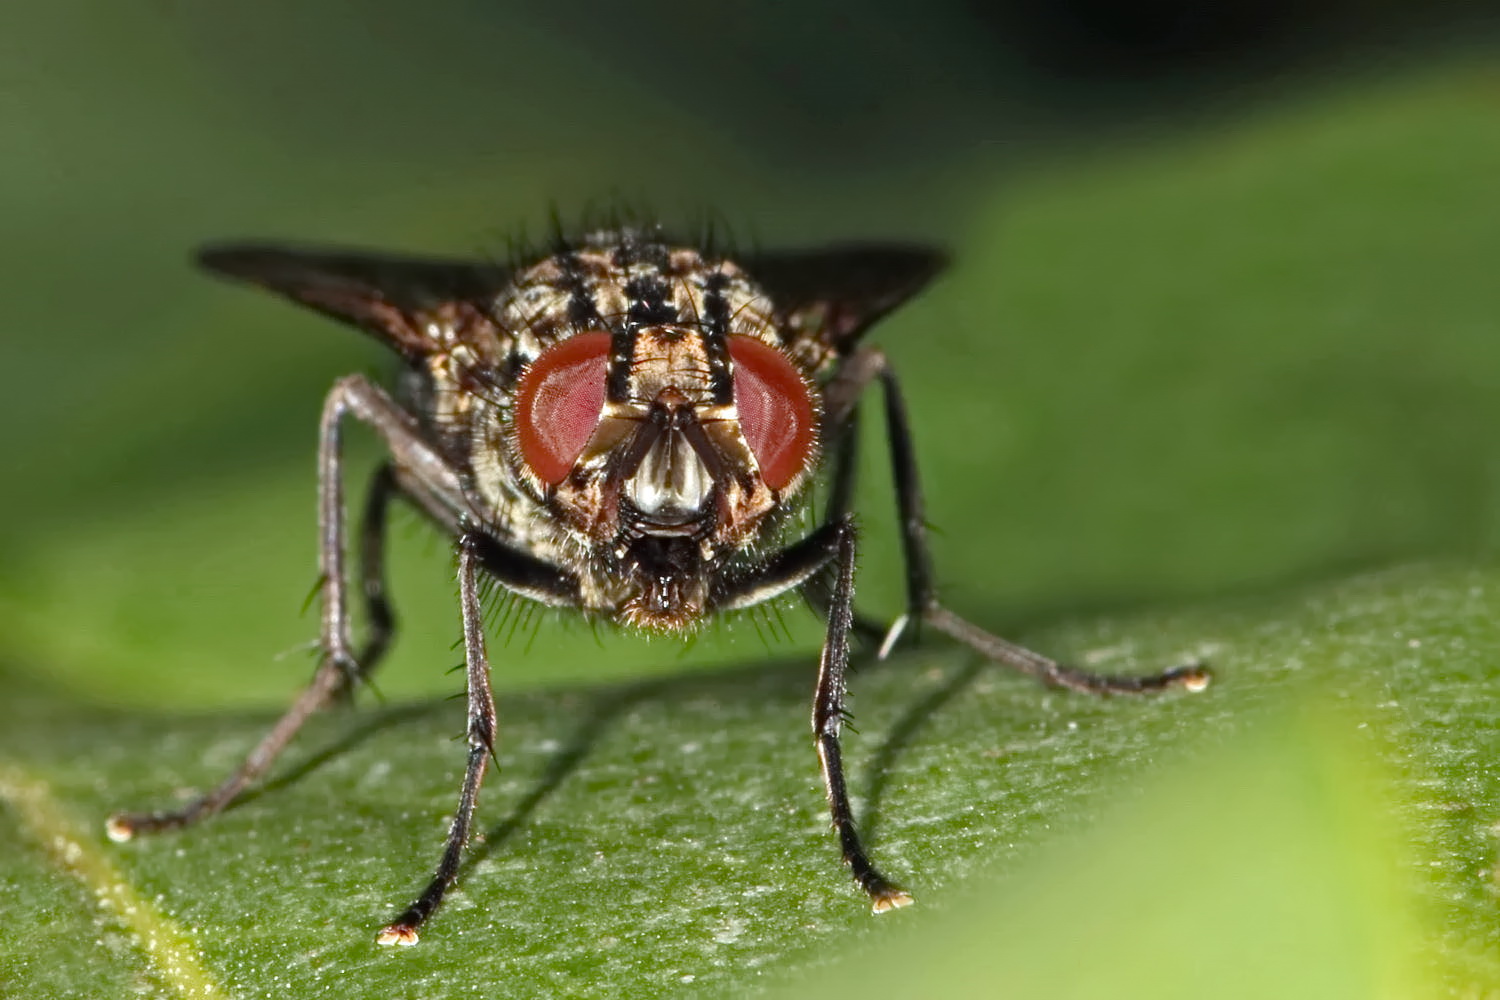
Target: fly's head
[[657, 415]]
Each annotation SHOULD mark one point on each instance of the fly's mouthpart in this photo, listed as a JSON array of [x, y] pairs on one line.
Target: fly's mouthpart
[[669, 488], [668, 584]]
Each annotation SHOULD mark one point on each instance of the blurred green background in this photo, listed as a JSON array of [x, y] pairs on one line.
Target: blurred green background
[[1220, 335]]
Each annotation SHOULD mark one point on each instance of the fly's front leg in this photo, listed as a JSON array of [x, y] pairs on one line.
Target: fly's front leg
[[858, 372], [518, 573], [801, 565], [828, 719], [351, 396], [481, 737]]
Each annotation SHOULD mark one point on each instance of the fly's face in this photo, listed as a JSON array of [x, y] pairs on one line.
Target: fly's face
[[655, 415], [676, 454]]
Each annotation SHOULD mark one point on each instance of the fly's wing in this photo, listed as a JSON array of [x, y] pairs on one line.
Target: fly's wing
[[828, 298], [404, 301]]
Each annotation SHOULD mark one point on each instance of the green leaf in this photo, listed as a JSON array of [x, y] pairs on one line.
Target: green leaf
[[672, 831]]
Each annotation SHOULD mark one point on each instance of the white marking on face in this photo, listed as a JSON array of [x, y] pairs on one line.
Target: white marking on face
[[672, 482]]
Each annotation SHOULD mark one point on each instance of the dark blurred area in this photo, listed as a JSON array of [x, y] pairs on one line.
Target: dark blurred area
[[905, 82], [1075, 43]]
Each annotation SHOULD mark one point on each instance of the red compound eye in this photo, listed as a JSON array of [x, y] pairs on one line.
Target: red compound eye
[[776, 413], [558, 404]]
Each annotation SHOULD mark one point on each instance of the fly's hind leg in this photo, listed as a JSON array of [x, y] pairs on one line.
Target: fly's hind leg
[[923, 608]]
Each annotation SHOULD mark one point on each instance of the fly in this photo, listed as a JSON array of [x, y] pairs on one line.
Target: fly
[[629, 427]]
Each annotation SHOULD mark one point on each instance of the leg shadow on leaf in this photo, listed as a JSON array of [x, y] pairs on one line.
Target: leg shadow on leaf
[[387, 719], [904, 733], [607, 707]]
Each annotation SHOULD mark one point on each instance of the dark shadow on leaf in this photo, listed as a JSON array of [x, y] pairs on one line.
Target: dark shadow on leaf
[[903, 733], [387, 719], [606, 708]]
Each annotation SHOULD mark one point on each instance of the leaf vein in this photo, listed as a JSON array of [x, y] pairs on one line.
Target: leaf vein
[[168, 948]]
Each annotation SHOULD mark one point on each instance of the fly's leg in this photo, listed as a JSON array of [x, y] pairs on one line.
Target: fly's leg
[[828, 718], [816, 592], [353, 396], [801, 565], [866, 366], [328, 680], [481, 739], [1188, 676], [380, 616]]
